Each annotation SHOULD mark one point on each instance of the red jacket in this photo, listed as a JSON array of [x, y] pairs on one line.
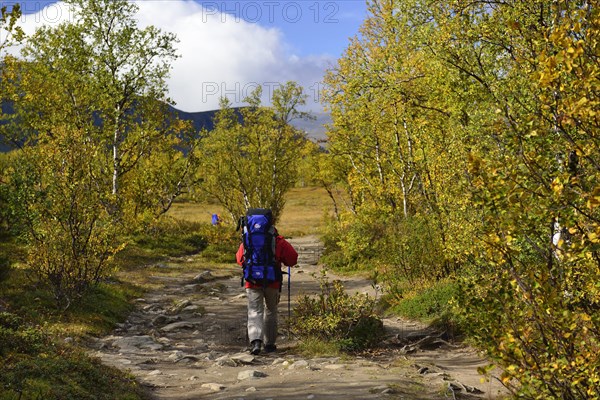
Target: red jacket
[[285, 254]]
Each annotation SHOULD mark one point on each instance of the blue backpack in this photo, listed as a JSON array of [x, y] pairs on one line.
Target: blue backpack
[[258, 237]]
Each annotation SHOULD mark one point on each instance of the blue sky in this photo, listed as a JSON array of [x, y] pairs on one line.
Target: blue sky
[[228, 47], [311, 26]]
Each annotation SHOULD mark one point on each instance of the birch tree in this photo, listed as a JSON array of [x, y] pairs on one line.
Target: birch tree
[[99, 152], [10, 32], [503, 126], [103, 72], [394, 131], [252, 156]]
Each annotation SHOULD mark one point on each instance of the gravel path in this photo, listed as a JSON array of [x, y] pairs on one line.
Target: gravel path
[[187, 340]]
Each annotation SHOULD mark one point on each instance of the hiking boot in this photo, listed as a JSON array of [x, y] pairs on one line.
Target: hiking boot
[[270, 348], [255, 347]]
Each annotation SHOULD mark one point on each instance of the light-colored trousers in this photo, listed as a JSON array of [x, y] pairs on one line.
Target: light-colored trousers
[[262, 314]]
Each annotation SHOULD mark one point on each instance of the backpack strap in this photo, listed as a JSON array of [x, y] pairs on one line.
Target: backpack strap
[[243, 225], [273, 255]]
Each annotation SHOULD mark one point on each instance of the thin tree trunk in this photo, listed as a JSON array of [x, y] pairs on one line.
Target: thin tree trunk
[[116, 161]]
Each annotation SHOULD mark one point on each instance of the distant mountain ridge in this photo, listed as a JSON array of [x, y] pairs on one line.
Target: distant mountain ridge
[[315, 129], [200, 120]]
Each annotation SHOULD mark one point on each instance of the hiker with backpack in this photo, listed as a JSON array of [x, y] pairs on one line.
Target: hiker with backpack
[[261, 254], [216, 219]]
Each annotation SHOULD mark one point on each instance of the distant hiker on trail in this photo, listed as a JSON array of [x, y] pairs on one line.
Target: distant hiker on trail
[[216, 219], [261, 254]]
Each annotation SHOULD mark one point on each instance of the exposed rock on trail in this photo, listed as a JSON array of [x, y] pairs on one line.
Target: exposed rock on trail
[[187, 340]]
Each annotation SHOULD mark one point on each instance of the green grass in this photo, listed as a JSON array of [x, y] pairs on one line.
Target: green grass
[[432, 304], [45, 368], [35, 362], [36, 366], [317, 347], [429, 303], [169, 238], [64, 373], [102, 308]]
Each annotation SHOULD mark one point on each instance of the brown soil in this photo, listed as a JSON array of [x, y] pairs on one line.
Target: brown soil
[[188, 341]]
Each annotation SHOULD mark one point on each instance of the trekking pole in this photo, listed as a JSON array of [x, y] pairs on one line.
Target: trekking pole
[[289, 301]]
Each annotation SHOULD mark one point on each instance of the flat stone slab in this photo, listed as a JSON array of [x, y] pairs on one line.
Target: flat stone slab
[[243, 358], [215, 387], [251, 374], [175, 326], [133, 343]]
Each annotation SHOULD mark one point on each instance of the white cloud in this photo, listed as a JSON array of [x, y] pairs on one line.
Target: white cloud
[[220, 55], [35, 16], [226, 56]]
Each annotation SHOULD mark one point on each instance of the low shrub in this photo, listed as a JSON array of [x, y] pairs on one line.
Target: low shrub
[[15, 337], [428, 304], [222, 241], [172, 237], [349, 321], [176, 237], [335, 260]]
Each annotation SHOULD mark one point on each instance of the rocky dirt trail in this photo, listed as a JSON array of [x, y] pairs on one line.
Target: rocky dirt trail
[[187, 340]]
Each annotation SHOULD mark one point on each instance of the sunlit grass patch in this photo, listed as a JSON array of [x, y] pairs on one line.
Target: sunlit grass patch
[[197, 212], [433, 303], [303, 213], [317, 347]]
